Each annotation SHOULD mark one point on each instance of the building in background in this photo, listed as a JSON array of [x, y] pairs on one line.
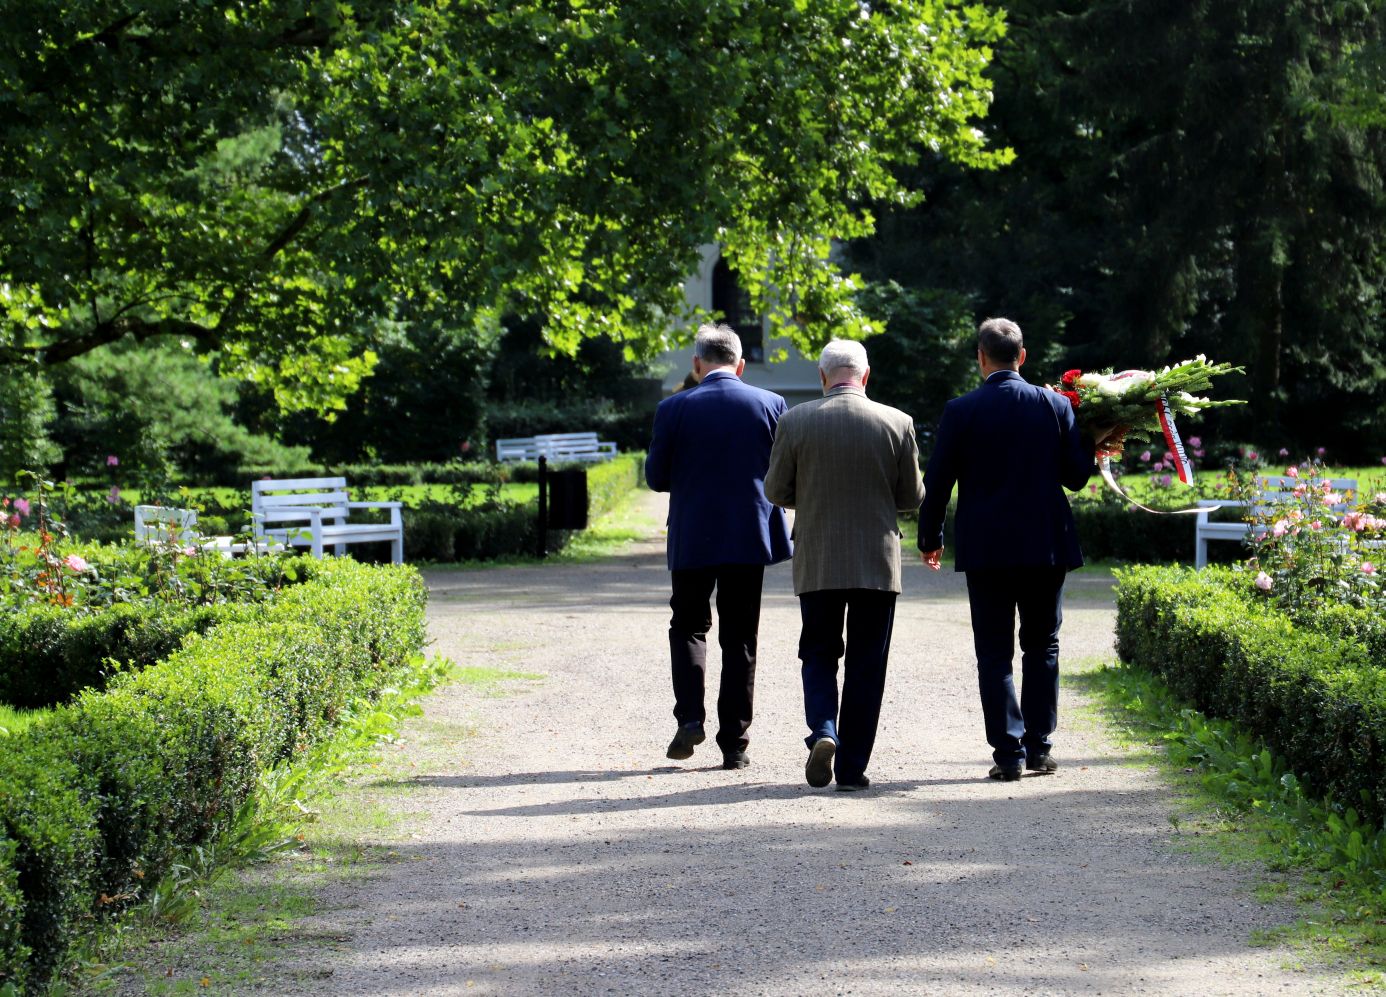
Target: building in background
[[715, 287]]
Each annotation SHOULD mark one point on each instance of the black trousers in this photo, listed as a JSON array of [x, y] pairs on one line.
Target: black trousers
[[870, 618], [1017, 730], [738, 621]]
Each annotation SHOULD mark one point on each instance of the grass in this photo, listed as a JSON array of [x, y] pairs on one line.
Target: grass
[[14, 721], [254, 928], [1239, 804]]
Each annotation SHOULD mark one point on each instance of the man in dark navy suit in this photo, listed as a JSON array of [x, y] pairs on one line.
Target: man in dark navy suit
[[1011, 448], [709, 451]]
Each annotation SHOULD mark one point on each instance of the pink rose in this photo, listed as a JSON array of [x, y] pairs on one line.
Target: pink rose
[[14, 521], [1263, 581], [112, 460], [113, 496], [1194, 441], [1280, 528], [1252, 455], [1292, 471], [22, 505], [1145, 455], [1320, 451], [76, 563], [1368, 568], [1284, 452]]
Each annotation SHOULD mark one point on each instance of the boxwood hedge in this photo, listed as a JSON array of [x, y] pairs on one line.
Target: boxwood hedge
[[96, 801], [1315, 690]]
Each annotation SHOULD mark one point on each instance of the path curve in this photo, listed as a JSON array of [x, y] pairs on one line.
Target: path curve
[[562, 854]]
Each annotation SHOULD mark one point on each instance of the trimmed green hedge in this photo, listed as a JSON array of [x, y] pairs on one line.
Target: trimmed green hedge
[[440, 532], [1316, 696], [49, 654], [96, 801]]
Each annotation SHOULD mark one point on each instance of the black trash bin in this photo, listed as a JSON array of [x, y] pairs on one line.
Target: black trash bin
[[568, 499]]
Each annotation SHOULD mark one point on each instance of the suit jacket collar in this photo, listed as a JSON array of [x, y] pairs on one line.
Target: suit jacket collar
[[997, 376], [720, 374], [846, 389]]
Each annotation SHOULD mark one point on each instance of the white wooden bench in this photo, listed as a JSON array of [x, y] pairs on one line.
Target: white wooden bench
[[1271, 491], [165, 524], [556, 446], [320, 508]]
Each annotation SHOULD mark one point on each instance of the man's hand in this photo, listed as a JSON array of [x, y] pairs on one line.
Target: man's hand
[[931, 558]]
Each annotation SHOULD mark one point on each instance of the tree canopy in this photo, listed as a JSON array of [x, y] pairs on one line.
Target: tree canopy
[[1196, 177], [275, 179]]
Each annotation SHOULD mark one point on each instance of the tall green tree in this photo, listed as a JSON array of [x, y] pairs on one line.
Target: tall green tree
[[1182, 184], [272, 178]]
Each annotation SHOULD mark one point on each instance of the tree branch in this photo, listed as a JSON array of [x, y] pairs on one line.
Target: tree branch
[[105, 333]]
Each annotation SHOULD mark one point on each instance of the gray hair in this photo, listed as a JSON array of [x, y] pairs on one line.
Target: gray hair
[[844, 355], [718, 345]]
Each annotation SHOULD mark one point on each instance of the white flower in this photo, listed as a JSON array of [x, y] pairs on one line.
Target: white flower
[[1091, 380]]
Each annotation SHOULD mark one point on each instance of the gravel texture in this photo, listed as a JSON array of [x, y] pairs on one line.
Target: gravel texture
[[561, 853]]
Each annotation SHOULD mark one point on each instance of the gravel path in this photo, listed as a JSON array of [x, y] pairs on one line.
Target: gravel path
[[562, 854]]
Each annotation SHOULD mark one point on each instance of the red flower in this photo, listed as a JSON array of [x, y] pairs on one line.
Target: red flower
[[1072, 397], [1071, 376]]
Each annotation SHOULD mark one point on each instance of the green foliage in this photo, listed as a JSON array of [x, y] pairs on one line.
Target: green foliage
[[26, 408], [1144, 221], [100, 797], [1316, 698], [272, 180], [496, 528], [47, 810], [927, 353], [48, 654], [154, 408]]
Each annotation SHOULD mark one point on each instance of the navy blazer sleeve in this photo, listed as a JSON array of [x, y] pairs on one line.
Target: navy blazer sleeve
[[659, 460], [1077, 454], [939, 478]]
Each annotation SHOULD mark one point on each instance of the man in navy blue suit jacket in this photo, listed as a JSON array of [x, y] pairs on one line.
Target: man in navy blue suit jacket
[[709, 451], [1011, 448]]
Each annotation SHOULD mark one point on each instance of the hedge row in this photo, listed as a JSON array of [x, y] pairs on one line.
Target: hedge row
[[477, 472], [98, 799], [439, 532], [1317, 697]]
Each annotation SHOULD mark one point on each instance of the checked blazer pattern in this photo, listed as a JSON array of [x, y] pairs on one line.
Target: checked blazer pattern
[[846, 465]]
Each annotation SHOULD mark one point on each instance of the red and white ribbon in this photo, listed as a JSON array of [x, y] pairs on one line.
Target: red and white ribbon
[[1172, 440]]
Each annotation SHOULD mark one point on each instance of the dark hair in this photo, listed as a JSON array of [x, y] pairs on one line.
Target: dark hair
[[999, 339]]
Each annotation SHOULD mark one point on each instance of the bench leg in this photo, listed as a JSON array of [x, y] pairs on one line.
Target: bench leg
[[1201, 552], [339, 549], [397, 550]]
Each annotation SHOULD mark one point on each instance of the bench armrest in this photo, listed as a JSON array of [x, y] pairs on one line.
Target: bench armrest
[[375, 505]]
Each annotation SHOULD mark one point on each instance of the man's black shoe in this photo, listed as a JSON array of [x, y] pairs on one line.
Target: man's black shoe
[[685, 738], [1043, 764], [852, 785], [1005, 773], [819, 770], [735, 760]]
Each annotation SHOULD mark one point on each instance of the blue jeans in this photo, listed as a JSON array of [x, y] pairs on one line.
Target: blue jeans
[[870, 618], [1017, 730]]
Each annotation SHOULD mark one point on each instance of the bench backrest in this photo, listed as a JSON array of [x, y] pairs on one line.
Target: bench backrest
[[277, 500], [518, 448], [554, 446], [163, 523]]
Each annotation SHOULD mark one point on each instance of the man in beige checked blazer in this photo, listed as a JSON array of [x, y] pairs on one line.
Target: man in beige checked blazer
[[846, 465]]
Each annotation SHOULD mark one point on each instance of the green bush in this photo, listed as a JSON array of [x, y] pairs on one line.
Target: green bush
[[48, 654], [1317, 697], [98, 799], [47, 810]]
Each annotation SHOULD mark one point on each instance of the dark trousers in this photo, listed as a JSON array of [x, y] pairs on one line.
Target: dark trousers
[[870, 618], [1017, 730], [738, 620]]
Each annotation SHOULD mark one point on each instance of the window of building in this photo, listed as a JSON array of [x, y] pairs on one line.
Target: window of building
[[733, 301]]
